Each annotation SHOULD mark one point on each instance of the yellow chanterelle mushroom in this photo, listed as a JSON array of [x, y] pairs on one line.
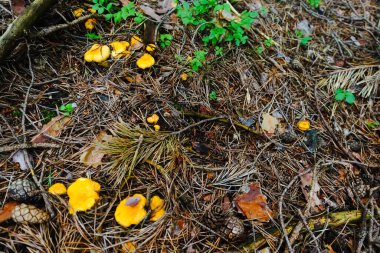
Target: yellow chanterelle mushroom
[[83, 195], [145, 61], [97, 53], [119, 49], [131, 210]]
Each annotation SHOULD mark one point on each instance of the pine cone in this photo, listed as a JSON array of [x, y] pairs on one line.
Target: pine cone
[[29, 214], [23, 190], [225, 224]]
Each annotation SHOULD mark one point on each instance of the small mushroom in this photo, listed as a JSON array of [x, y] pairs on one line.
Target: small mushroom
[[153, 119], [157, 127], [145, 61], [157, 207], [130, 210], [119, 49], [57, 189], [97, 53], [184, 76], [90, 24], [303, 125], [83, 195], [150, 48], [78, 12]]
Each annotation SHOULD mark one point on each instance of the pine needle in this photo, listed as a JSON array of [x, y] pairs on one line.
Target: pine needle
[[365, 77]]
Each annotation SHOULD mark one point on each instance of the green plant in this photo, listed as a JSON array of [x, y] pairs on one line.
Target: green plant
[[314, 3], [47, 115], [303, 39], [217, 30], [67, 109], [372, 123], [268, 42], [16, 112], [92, 36], [259, 50], [212, 96], [345, 95], [165, 40], [112, 11], [219, 51], [198, 60]]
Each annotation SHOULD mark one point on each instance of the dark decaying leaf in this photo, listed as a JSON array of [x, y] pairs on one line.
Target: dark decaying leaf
[[18, 6], [311, 140]]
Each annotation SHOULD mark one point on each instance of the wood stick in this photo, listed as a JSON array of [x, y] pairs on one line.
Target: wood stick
[[8, 41]]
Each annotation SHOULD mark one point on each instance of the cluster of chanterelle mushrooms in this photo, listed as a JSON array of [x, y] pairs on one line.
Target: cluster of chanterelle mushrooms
[[83, 195], [121, 49]]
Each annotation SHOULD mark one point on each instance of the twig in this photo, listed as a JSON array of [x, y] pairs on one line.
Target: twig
[[223, 120], [196, 124], [28, 145], [59, 27]]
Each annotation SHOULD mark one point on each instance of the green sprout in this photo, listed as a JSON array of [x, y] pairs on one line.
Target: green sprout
[[92, 36], [314, 3], [372, 123], [218, 51], [345, 95], [67, 109], [198, 60], [212, 96], [165, 40]]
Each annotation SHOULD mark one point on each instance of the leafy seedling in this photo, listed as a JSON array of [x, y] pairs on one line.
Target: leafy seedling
[[314, 3], [165, 40], [345, 95], [259, 50], [198, 60], [218, 51], [372, 123], [114, 13], [68, 108], [92, 36], [303, 40], [268, 42], [212, 96]]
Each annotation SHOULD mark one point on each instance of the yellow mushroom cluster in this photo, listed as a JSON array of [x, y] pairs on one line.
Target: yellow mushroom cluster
[[153, 119], [131, 210], [120, 49]]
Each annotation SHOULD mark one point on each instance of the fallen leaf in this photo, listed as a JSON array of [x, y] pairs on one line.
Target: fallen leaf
[[92, 155], [54, 129], [166, 6], [135, 79], [269, 123], [18, 6], [150, 12], [306, 184], [124, 2], [253, 204], [6, 212], [19, 158]]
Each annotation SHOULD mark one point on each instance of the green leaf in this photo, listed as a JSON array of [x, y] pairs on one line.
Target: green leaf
[[259, 50], [101, 10], [350, 98], [212, 96], [305, 40], [340, 96]]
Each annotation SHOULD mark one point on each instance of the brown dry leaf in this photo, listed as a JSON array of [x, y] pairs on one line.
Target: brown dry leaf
[[93, 155], [166, 6], [124, 2], [150, 12], [135, 79], [306, 184], [253, 204], [54, 129], [6, 212], [269, 123], [18, 6]]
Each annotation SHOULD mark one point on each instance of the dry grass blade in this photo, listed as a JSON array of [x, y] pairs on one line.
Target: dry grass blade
[[133, 145], [367, 76]]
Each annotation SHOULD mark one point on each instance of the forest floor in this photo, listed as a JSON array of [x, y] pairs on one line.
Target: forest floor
[[268, 141]]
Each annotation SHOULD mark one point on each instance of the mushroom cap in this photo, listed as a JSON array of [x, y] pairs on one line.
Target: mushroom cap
[[153, 119], [119, 49], [303, 125], [157, 206], [97, 53], [78, 12], [157, 127], [150, 48], [145, 61], [83, 195], [90, 23], [57, 189], [184, 76], [130, 210]]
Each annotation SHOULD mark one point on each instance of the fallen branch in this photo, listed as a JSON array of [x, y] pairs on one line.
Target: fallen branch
[[28, 145], [332, 220], [223, 120], [8, 41], [56, 28]]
